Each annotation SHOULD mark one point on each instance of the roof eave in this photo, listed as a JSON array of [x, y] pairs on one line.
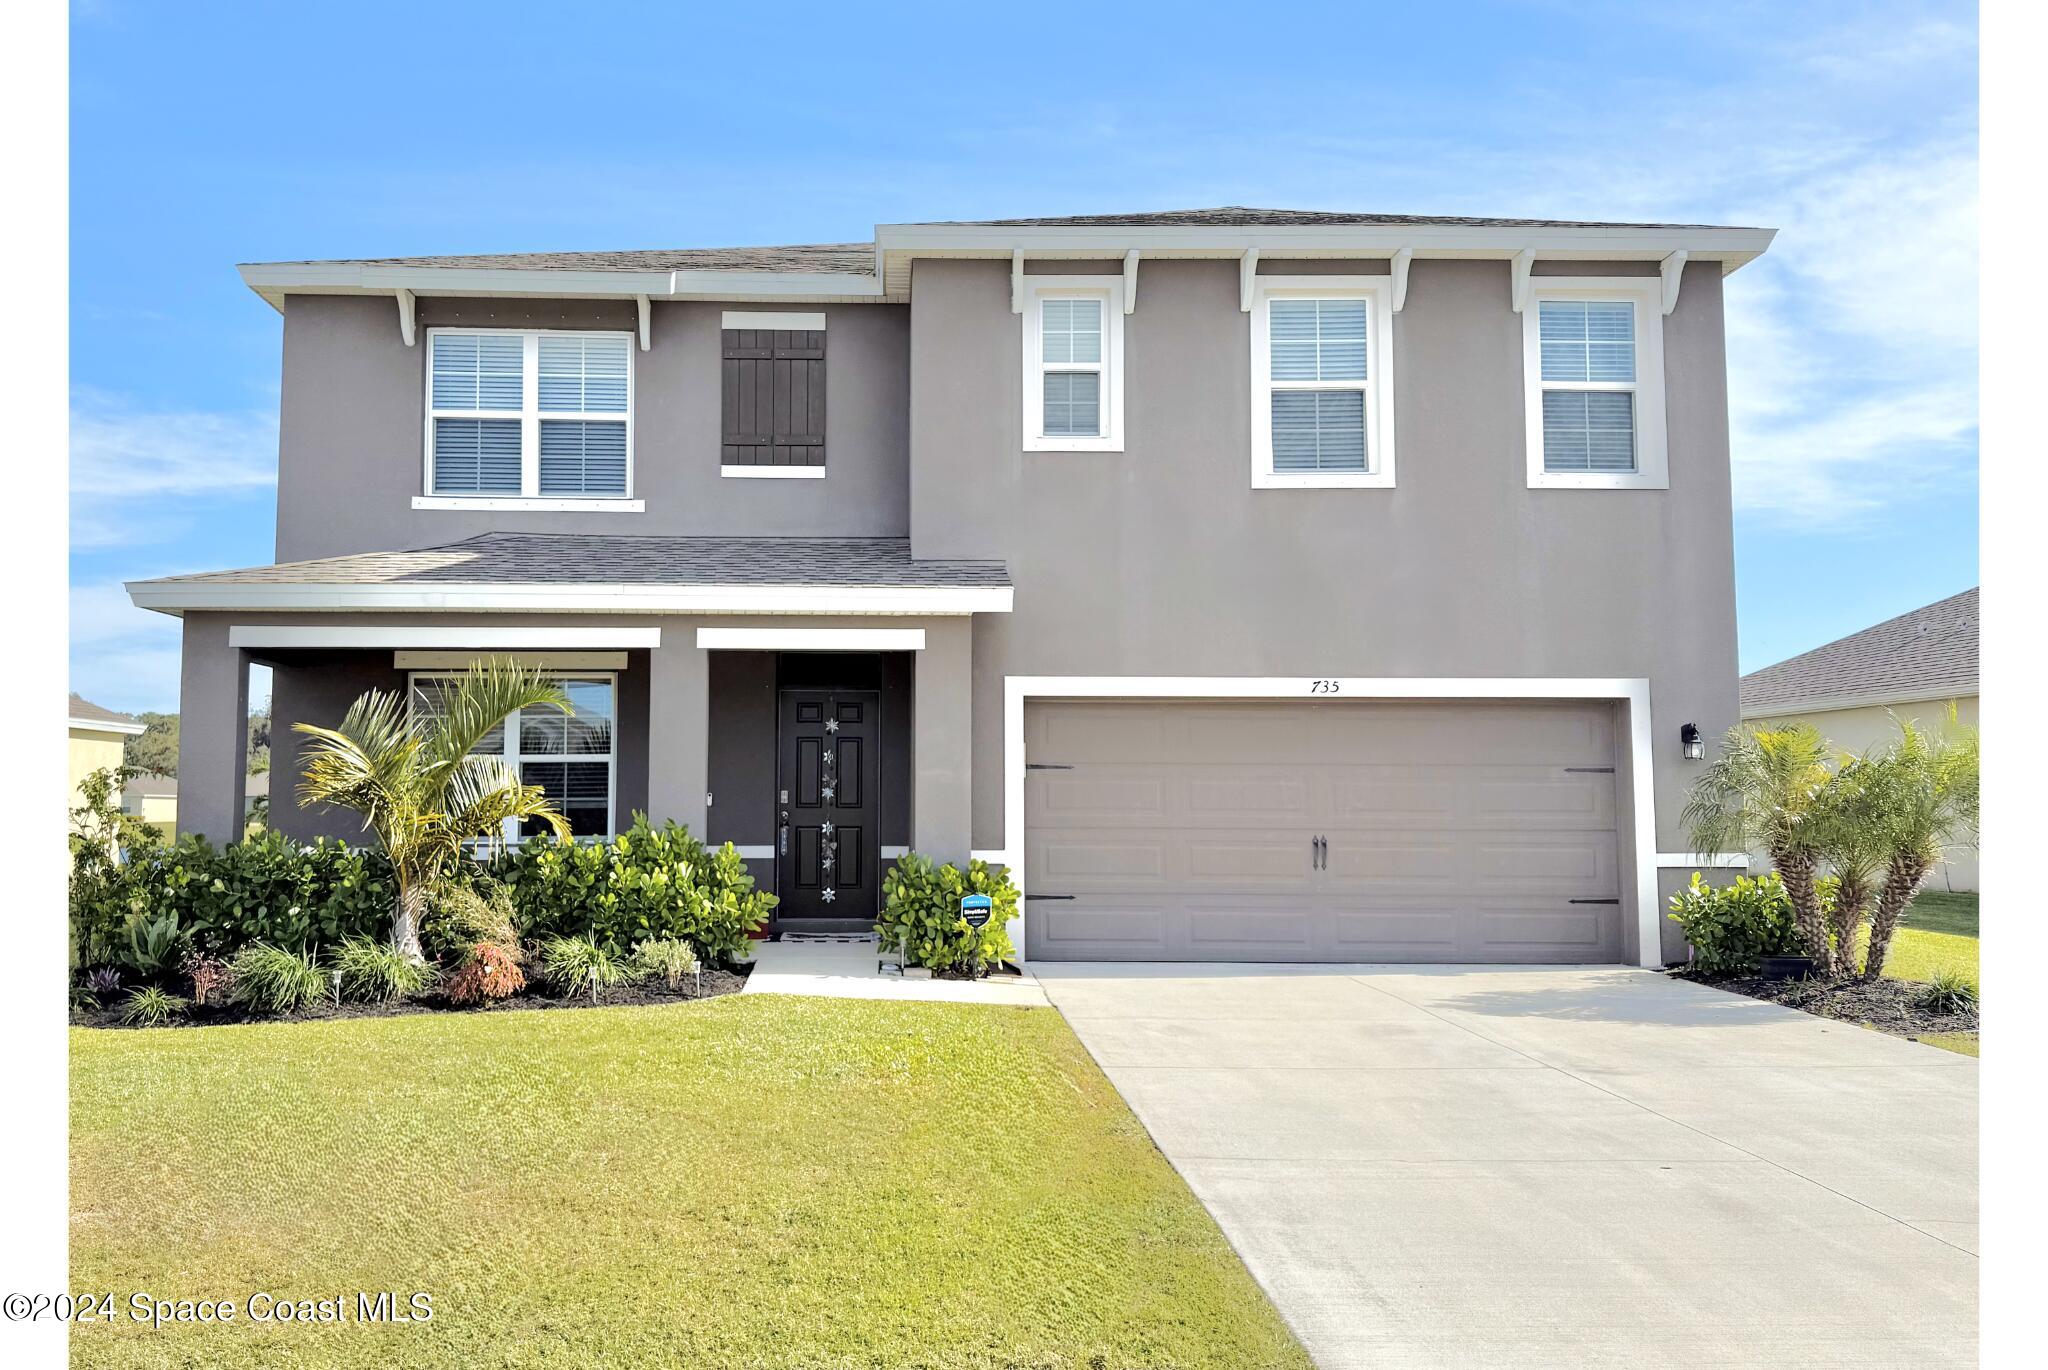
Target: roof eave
[[1858, 699], [103, 725], [274, 280], [178, 597]]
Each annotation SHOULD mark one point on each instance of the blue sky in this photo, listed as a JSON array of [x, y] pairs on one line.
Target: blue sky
[[208, 135]]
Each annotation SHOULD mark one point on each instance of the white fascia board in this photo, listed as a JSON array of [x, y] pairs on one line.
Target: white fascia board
[[101, 725], [177, 597], [1867, 699], [811, 639], [414, 660], [488, 638], [1731, 246], [273, 281]]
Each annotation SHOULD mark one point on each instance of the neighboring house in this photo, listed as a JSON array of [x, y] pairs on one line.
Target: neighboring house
[[1257, 584], [97, 738], [1855, 689], [153, 799]]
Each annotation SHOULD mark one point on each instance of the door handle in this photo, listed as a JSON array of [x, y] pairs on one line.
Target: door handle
[[1314, 852], [1324, 843]]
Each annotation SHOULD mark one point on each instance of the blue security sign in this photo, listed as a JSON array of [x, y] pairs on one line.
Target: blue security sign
[[976, 909]]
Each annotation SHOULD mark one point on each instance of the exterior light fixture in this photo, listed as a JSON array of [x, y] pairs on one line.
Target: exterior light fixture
[[1695, 746]]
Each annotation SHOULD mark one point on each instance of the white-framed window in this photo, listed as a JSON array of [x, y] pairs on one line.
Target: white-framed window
[[574, 757], [1073, 364], [529, 419], [1593, 376], [1322, 382]]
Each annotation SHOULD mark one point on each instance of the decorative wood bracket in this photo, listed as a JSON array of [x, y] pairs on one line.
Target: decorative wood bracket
[[1247, 276], [1016, 280], [1524, 259], [405, 317], [1400, 268], [1130, 280], [646, 322], [1672, 269]]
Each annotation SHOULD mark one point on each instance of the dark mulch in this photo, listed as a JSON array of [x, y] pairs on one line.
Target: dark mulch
[[1888, 1005], [715, 984]]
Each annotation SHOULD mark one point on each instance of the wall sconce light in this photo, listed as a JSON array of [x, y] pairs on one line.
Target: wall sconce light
[[1695, 746]]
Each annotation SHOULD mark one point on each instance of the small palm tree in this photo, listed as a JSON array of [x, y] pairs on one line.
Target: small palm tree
[[1848, 835], [1762, 790], [1925, 797], [411, 775]]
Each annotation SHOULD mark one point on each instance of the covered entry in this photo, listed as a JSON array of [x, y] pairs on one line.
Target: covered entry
[[1480, 831]]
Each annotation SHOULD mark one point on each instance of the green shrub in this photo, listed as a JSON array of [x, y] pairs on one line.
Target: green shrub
[[272, 980], [921, 913], [1951, 991], [667, 957], [647, 882], [460, 916], [489, 973], [150, 1007], [1733, 928], [570, 965], [368, 972], [155, 947], [267, 889]]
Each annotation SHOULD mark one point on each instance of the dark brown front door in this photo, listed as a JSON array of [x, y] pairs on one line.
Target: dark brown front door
[[827, 787]]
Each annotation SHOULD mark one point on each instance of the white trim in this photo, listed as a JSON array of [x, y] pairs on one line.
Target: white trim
[[1726, 861], [1632, 691], [755, 851], [1671, 271], [995, 857], [1880, 699], [274, 280], [479, 639], [177, 596], [406, 330], [1109, 291], [1398, 266], [1130, 280], [793, 322], [530, 417], [515, 755], [645, 312], [537, 504], [892, 853], [1017, 281], [1652, 458], [738, 472], [102, 725], [547, 661], [1247, 279], [1378, 388], [811, 639], [1518, 279]]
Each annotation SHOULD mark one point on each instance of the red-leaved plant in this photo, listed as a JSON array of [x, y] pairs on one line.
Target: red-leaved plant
[[489, 974]]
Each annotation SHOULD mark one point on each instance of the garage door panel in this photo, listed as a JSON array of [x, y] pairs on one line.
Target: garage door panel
[[1456, 831]]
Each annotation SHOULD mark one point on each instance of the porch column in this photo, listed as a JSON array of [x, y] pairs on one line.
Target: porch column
[[942, 742], [678, 728], [213, 732]]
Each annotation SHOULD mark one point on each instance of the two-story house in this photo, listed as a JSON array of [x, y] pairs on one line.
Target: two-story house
[[1258, 585]]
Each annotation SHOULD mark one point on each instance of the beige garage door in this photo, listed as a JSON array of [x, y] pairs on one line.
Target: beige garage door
[[1323, 831]]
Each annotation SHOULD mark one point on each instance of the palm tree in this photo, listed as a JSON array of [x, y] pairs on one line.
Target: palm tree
[[1761, 791], [1925, 796], [411, 774], [1848, 835]]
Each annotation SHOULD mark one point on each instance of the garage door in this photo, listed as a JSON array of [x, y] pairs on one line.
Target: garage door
[[1321, 832]]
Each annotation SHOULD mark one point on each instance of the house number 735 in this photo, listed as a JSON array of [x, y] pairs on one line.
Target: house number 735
[[1322, 687]]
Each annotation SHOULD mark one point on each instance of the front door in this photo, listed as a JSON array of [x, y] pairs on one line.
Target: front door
[[827, 788]]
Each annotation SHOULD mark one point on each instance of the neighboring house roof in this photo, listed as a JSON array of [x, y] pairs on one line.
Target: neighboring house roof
[[1930, 653], [150, 787], [623, 573], [91, 717]]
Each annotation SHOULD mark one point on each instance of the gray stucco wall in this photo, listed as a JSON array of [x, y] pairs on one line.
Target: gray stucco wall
[[1162, 560], [353, 427]]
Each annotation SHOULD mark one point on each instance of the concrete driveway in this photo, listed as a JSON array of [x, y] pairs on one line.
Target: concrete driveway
[[1438, 1166]]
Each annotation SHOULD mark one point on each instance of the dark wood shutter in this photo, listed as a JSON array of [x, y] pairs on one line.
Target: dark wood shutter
[[774, 385]]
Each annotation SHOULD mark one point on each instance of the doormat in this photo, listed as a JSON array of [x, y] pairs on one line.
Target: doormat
[[800, 938]]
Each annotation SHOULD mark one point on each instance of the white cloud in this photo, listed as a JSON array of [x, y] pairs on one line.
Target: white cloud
[[127, 462]]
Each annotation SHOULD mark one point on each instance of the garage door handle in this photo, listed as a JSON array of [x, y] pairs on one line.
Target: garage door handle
[[1592, 901]]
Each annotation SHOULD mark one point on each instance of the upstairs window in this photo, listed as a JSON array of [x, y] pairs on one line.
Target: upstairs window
[[1073, 364], [528, 416], [1594, 359], [1321, 382]]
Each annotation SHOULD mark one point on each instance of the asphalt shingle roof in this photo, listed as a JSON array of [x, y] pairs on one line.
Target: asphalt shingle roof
[[1931, 651], [86, 711], [1240, 216], [599, 559]]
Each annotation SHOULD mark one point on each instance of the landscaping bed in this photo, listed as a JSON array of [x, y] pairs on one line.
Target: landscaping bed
[[1892, 1006], [715, 983]]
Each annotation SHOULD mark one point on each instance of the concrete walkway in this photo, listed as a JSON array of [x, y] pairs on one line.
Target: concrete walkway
[[846, 970], [1581, 1167]]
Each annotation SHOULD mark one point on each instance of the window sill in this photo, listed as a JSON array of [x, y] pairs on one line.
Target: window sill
[[773, 472], [1115, 445], [1570, 480], [1324, 480], [535, 505]]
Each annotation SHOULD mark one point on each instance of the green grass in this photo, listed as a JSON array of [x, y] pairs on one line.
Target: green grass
[[1940, 930], [1961, 1043], [753, 1182]]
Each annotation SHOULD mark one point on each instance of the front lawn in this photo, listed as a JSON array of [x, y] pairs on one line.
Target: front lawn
[[757, 1181], [1940, 931]]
